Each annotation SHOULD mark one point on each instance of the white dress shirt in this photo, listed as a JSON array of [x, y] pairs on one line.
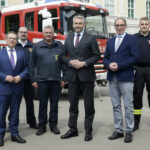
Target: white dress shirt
[[22, 43], [117, 38], [75, 36]]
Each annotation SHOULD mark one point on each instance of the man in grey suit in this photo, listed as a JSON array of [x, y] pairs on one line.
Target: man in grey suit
[[79, 54]]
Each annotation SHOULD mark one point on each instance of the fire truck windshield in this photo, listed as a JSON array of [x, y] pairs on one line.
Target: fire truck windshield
[[95, 22]]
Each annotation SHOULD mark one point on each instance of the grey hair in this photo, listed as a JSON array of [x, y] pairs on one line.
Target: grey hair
[[22, 27], [11, 32], [120, 18], [48, 26], [79, 17]]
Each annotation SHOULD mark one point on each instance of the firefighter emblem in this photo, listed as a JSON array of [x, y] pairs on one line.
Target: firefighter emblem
[[30, 49]]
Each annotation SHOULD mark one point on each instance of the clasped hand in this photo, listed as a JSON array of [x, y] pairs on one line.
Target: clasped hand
[[77, 64], [12, 79], [113, 66]]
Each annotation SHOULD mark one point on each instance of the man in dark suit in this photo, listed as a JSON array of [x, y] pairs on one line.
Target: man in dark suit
[[79, 54], [120, 56], [26, 45], [13, 69]]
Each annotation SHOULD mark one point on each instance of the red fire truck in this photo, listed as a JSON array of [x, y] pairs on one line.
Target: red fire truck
[[58, 13]]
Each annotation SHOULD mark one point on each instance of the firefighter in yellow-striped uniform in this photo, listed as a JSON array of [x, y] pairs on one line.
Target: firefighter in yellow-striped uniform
[[142, 73]]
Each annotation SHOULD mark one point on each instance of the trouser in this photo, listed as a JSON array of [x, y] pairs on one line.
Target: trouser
[[13, 101], [51, 90], [29, 96], [142, 77], [124, 89], [87, 89]]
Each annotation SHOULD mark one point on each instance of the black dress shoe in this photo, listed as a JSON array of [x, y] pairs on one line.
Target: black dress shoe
[[34, 126], [18, 139], [55, 130], [69, 134], [128, 138], [115, 135], [40, 131], [88, 136], [2, 142]]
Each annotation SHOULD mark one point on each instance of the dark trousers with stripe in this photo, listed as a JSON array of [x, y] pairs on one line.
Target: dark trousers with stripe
[[142, 78]]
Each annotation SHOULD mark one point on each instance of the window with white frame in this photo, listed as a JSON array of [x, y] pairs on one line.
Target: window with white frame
[[109, 4], [28, 1], [3, 3], [131, 8], [148, 8]]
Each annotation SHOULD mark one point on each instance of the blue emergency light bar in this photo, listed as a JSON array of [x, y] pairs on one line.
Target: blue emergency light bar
[[47, 1]]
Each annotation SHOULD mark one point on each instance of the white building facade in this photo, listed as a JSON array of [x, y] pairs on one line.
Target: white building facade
[[131, 10]]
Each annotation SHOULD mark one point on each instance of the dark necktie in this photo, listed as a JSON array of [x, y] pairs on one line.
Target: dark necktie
[[12, 60], [77, 40]]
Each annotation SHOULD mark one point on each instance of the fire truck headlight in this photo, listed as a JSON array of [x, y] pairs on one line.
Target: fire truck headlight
[[101, 11], [82, 7]]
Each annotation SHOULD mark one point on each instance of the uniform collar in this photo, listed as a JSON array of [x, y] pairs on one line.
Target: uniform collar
[[139, 33], [22, 43]]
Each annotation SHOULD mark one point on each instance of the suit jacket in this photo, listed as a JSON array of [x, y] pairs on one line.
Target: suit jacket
[[87, 51], [6, 68], [126, 56]]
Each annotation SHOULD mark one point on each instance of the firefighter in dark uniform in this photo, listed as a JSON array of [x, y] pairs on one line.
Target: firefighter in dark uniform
[[142, 74], [45, 58], [27, 46]]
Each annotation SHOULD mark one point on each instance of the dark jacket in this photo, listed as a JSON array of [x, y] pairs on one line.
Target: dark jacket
[[27, 50], [46, 59], [144, 49], [87, 51], [126, 56]]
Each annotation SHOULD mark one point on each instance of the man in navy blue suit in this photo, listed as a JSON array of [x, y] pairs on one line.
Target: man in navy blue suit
[[13, 69], [120, 57]]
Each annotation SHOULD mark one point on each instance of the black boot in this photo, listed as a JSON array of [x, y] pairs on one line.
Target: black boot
[[136, 122]]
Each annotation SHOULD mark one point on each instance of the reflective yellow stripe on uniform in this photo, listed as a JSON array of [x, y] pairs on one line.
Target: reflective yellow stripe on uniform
[[137, 111]]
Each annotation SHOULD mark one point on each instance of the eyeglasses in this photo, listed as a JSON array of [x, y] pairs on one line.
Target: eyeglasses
[[23, 32], [119, 25], [144, 24], [10, 38]]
